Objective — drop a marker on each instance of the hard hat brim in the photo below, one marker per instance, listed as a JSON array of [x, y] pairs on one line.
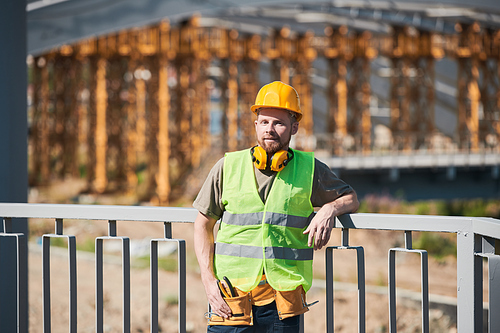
[[255, 108]]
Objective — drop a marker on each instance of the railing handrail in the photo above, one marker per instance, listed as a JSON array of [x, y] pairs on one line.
[[98, 212], [484, 226], [183, 214]]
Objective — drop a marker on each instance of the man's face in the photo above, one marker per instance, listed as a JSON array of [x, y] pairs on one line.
[[274, 129]]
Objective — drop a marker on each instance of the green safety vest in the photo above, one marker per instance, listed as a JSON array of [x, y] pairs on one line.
[[254, 237]]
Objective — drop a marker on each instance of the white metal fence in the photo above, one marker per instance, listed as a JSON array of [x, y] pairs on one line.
[[478, 239]]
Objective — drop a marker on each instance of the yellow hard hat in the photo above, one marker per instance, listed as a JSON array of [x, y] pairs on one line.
[[280, 96]]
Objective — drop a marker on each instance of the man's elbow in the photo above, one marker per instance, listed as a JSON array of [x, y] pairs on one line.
[[355, 202]]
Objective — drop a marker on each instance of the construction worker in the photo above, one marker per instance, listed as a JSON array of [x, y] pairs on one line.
[[258, 272]]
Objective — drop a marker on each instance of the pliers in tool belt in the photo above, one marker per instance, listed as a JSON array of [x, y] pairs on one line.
[[225, 293]]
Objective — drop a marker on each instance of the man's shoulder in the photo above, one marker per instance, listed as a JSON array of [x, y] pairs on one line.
[[216, 170], [220, 164]]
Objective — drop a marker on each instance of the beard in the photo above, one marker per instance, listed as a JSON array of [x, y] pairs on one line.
[[272, 147]]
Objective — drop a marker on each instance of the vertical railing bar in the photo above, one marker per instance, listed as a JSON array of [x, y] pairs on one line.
[[17, 323], [493, 293], [408, 240], [72, 273], [181, 247], [361, 290], [488, 245], [493, 285], [425, 291], [478, 282], [112, 228], [392, 292], [329, 291], [99, 310], [167, 230], [46, 284], [126, 284], [424, 269], [21, 304], [125, 279], [469, 282], [22, 274], [72, 284], [345, 237], [182, 286], [154, 286], [7, 224], [59, 226]]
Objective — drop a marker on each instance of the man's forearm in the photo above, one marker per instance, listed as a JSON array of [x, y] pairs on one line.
[[204, 249], [346, 204], [204, 245], [321, 225]]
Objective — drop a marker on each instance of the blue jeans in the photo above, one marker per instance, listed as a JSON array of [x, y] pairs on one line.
[[265, 320]]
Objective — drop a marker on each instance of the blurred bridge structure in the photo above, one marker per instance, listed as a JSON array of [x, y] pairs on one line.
[[398, 97]]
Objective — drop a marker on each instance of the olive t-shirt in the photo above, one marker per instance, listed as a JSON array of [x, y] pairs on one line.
[[327, 187]]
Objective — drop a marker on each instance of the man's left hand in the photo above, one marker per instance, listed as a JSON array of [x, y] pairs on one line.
[[320, 228]]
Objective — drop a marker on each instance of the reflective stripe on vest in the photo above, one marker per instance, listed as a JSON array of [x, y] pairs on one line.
[[255, 236], [271, 218], [255, 252]]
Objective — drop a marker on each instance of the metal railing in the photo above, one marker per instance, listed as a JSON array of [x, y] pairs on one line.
[[478, 239]]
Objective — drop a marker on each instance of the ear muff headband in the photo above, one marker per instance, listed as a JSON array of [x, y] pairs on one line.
[[277, 162]]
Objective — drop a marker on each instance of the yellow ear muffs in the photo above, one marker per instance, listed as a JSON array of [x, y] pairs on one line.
[[259, 157], [277, 162]]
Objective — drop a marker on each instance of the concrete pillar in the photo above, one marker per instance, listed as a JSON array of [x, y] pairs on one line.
[[13, 113], [13, 150]]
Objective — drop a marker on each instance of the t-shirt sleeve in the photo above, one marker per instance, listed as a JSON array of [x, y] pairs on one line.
[[209, 199], [327, 187]]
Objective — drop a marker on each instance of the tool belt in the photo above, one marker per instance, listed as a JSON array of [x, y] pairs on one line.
[[291, 303], [241, 307], [288, 303]]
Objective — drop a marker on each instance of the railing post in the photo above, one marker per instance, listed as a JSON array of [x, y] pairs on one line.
[[13, 280], [408, 240], [112, 228], [72, 274], [99, 253], [167, 230], [181, 249], [7, 225], [494, 293], [360, 262], [489, 253], [99, 286], [59, 226], [424, 278], [469, 282], [345, 237], [329, 291]]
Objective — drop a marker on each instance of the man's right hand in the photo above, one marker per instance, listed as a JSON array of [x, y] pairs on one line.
[[217, 303]]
